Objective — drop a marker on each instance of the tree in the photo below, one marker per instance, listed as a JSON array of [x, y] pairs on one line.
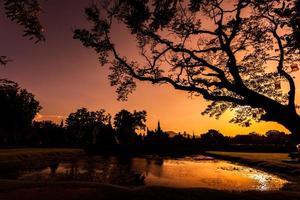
[[213, 138], [277, 137], [234, 54], [47, 133], [26, 14], [80, 125], [296, 24], [251, 138], [293, 12], [126, 123], [18, 108]]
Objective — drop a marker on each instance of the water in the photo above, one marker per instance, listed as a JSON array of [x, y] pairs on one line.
[[188, 172]]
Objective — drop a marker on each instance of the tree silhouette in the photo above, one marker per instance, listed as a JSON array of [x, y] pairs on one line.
[[26, 14], [251, 138], [213, 138], [47, 133], [296, 24], [18, 108], [234, 54], [292, 11], [81, 123], [276, 137], [126, 123]]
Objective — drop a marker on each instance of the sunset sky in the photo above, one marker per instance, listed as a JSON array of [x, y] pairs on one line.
[[65, 76]]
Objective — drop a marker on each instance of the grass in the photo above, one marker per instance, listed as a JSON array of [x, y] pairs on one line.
[[18, 158], [35, 151]]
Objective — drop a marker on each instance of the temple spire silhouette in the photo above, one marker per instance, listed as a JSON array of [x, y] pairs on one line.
[[158, 127]]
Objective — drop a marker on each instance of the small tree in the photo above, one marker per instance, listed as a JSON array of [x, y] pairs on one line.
[[277, 137], [18, 108], [213, 138], [81, 123], [47, 133], [233, 53], [126, 123]]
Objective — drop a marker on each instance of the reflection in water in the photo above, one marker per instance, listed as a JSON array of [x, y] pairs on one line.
[[263, 181], [53, 167], [185, 173]]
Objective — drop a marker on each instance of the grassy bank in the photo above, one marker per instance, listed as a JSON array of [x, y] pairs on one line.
[[18, 158], [27, 152], [270, 162]]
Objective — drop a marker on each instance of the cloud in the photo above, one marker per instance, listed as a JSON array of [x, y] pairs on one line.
[[45, 117]]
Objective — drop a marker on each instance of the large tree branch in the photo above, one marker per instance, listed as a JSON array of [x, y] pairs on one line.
[[181, 49], [280, 66], [226, 45], [292, 92], [176, 85]]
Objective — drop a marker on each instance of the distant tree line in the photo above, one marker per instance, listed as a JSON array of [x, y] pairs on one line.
[[97, 129], [272, 140]]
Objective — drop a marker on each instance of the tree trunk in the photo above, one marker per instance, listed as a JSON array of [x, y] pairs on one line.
[[292, 123], [289, 119], [277, 112]]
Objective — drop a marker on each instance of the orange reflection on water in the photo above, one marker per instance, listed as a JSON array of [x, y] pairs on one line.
[[189, 172], [213, 174]]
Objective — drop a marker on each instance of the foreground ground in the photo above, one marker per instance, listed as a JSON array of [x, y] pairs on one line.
[[105, 192], [11, 190]]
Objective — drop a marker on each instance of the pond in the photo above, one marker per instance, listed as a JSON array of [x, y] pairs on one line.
[[187, 172]]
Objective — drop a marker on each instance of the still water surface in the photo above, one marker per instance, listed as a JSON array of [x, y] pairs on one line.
[[188, 172]]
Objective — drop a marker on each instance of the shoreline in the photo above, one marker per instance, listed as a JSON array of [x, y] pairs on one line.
[[288, 171]]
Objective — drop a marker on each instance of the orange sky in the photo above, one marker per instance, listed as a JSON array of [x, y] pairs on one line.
[[65, 76]]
